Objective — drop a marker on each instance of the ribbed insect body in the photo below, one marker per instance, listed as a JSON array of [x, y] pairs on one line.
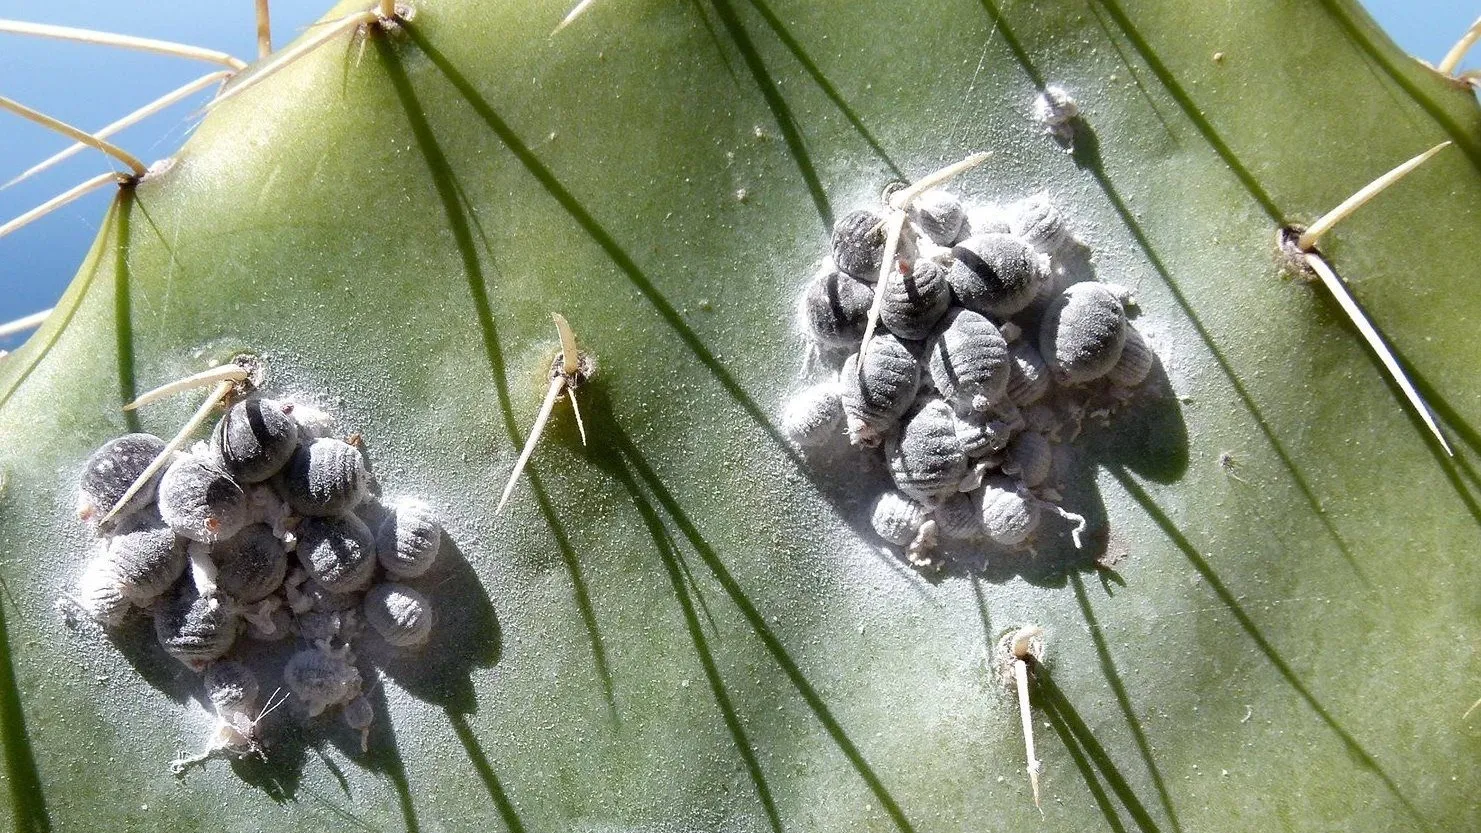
[[968, 361], [896, 518], [1030, 458], [858, 244], [401, 615], [875, 398], [193, 628], [958, 517], [112, 469], [338, 553], [981, 433], [914, 302], [99, 593], [321, 679], [200, 500], [1039, 222], [359, 715], [409, 538], [147, 556], [325, 477], [814, 415], [836, 307], [940, 216], [255, 439], [231, 687], [1135, 363], [1082, 333], [995, 274], [926, 459], [1009, 513], [1028, 375], [1056, 110], [251, 565]]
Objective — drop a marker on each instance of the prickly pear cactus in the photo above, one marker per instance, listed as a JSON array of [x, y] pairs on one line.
[[682, 625]]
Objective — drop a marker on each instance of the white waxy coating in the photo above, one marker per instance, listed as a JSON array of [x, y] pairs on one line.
[[1028, 375], [957, 517], [913, 303], [987, 218], [814, 414], [968, 361], [358, 713], [836, 306], [401, 615], [200, 501], [896, 518], [409, 538], [100, 593], [1030, 458], [1009, 513], [939, 214], [981, 434], [995, 274], [1082, 333], [272, 626], [148, 557], [338, 552], [926, 459], [251, 565], [1056, 110], [255, 439], [112, 469], [321, 679], [231, 687], [1135, 363], [195, 629], [858, 244], [1040, 223], [326, 477], [876, 398]]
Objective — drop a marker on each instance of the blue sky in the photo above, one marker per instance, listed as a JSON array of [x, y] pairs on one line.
[[90, 86]]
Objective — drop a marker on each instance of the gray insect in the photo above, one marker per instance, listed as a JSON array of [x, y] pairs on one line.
[[148, 557], [401, 615], [231, 687], [940, 216], [324, 626], [1082, 333], [1028, 375], [914, 302], [321, 679], [359, 715], [958, 517], [195, 629], [968, 361], [1030, 459], [409, 538], [200, 501], [339, 552], [255, 439], [99, 593], [981, 433], [112, 469], [836, 307], [995, 274], [896, 518], [325, 477], [1009, 513], [858, 244], [876, 398], [926, 459], [1056, 110], [1041, 224], [250, 565], [1135, 363]]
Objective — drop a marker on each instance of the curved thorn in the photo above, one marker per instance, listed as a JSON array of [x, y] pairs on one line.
[[20, 325], [131, 119], [162, 47], [264, 29], [80, 135], [570, 357], [229, 372], [1307, 241], [1370, 333], [293, 53], [571, 16], [60, 200], [903, 197], [556, 385], [1452, 58]]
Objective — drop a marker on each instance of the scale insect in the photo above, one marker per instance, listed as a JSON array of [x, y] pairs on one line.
[[569, 370]]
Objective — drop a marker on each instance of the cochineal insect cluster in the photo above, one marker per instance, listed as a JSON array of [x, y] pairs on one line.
[[272, 530], [985, 359]]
